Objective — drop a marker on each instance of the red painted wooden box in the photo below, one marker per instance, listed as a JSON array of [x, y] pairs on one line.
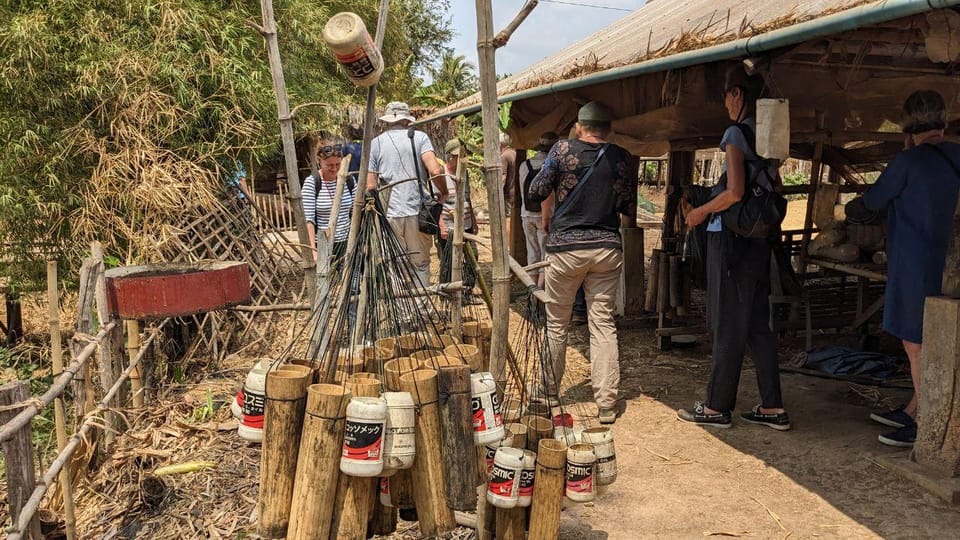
[[171, 290]]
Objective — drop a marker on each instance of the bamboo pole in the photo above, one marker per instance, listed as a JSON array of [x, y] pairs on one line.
[[133, 348], [352, 509], [369, 119], [456, 433], [512, 522], [286, 401], [491, 167], [106, 349], [314, 491], [456, 254], [83, 383], [548, 494], [429, 492], [18, 460], [503, 36], [269, 33], [518, 270], [56, 353], [538, 428]]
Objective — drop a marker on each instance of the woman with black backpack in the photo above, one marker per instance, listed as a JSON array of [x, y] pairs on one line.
[[738, 272]]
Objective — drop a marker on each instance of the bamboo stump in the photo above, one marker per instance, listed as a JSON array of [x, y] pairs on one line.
[[18, 456], [353, 492], [650, 300], [512, 523], [427, 473], [318, 462], [538, 428], [401, 486], [548, 494], [456, 431], [286, 401]]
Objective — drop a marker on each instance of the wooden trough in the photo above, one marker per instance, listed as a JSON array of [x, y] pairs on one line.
[[169, 290]]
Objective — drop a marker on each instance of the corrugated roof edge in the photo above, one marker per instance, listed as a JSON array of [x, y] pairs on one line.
[[842, 21]]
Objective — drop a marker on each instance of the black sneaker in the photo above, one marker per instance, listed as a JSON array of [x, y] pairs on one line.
[[901, 438], [896, 418], [778, 421], [697, 416]]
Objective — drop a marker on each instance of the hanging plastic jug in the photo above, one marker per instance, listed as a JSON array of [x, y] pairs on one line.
[[602, 441], [346, 34], [363, 437], [581, 467], [251, 401], [399, 442], [487, 420], [527, 476], [503, 489]]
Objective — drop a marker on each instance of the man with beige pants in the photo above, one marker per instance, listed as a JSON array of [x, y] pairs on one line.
[[394, 159], [590, 182]]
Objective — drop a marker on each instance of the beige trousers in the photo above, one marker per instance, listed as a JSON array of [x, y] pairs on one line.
[[416, 244], [599, 271]]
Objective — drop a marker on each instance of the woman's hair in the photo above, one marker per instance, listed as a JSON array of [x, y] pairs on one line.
[[327, 148], [923, 111], [751, 85]]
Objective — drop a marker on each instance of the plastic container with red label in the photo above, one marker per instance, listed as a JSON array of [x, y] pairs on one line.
[[581, 470], [487, 419], [363, 437], [503, 487]]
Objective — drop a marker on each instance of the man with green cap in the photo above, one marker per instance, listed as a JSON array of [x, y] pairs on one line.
[[589, 181]]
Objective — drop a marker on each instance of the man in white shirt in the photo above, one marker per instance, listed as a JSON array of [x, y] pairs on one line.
[[393, 159], [530, 211]]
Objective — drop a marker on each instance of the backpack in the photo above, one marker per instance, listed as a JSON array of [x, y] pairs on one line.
[[530, 205], [761, 211]]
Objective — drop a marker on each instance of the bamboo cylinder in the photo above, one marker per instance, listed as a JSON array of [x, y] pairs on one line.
[[374, 356], [456, 432], [539, 408], [511, 523], [387, 347], [440, 342], [519, 432], [663, 283], [512, 412], [441, 361], [650, 301], [548, 495], [538, 428], [307, 364], [425, 355], [318, 462], [353, 493], [409, 344], [286, 401], [685, 286], [469, 353], [133, 348], [486, 515], [384, 518], [401, 486], [429, 492], [674, 279]]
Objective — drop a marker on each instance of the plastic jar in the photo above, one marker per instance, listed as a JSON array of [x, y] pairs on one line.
[[383, 488], [487, 420], [363, 437], [346, 34], [490, 450], [252, 400], [399, 441], [602, 440], [236, 408], [503, 487], [527, 476], [581, 466]]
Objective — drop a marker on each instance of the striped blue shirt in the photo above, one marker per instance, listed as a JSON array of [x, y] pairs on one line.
[[318, 203]]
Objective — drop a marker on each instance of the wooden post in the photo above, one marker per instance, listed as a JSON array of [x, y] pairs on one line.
[[18, 456], [633, 270], [512, 523], [816, 170], [951, 271], [82, 382], [938, 419], [486, 514], [429, 491], [56, 353], [14, 318], [548, 493], [269, 32], [650, 301], [108, 345], [318, 462], [456, 253], [456, 432], [286, 401], [352, 510], [491, 162]]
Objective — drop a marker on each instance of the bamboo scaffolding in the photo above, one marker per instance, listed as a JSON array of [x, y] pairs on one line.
[[56, 353], [33, 503], [269, 33], [456, 254]]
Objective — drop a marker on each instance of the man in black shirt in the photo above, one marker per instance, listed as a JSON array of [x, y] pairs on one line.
[[588, 179]]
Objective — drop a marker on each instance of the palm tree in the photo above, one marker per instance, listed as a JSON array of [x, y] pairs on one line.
[[453, 80]]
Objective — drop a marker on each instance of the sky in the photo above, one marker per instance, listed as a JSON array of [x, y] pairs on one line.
[[549, 28]]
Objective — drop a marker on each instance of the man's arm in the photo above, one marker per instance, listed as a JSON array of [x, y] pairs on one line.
[[372, 181], [245, 190], [887, 187], [435, 170]]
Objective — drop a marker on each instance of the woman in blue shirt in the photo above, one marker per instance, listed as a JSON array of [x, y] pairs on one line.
[[919, 190]]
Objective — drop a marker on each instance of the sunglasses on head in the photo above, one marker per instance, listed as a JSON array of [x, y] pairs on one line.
[[331, 150]]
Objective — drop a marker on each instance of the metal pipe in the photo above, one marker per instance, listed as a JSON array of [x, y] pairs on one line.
[[842, 21]]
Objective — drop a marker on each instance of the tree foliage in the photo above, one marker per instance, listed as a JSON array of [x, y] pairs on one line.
[[118, 115], [453, 80]]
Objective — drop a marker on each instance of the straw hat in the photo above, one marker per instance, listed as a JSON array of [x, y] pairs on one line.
[[397, 111]]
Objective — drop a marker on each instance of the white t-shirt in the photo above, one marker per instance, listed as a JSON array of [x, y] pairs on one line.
[[392, 158], [537, 163]]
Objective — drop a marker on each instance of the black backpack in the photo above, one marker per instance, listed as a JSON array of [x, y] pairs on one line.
[[761, 211], [530, 205]]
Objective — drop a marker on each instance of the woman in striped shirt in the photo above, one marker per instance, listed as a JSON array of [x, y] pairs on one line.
[[317, 199]]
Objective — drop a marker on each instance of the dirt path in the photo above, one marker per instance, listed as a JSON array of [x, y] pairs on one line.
[[682, 481]]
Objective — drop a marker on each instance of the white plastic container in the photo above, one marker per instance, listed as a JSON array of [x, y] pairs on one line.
[[363, 437], [602, 440], [251, 402], [490, 450], [581, 469], [399, 441], [527, 476], [773, 128], [383, 488], [487, 420], [354, 49], [503, 488]]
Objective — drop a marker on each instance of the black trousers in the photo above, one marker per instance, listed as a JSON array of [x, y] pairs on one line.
[[738, 309]]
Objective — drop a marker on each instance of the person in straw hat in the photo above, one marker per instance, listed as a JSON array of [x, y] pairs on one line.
[[393, 160]]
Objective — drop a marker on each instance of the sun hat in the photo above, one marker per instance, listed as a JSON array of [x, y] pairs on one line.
[[595, 113], [452, 148], [397, 111]]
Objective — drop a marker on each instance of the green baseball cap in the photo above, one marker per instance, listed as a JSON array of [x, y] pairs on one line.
[[452, 148], [595, 113]]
